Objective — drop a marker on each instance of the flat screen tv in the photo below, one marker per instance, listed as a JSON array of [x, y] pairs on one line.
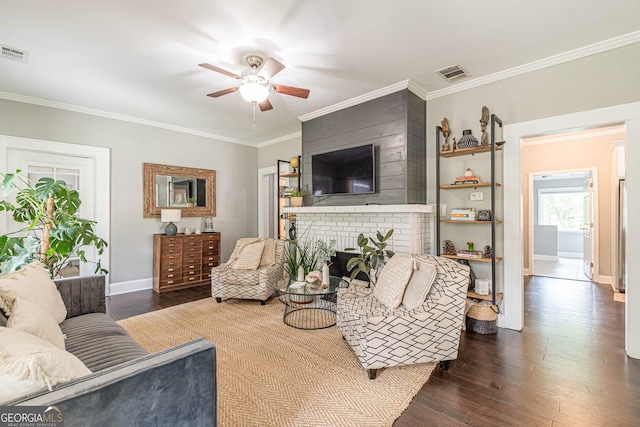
[[347, 171]]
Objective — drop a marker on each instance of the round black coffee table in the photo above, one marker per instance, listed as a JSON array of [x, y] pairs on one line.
[[310, 308]]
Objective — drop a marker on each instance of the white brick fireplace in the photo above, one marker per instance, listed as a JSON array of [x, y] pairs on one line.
[[412, 225]]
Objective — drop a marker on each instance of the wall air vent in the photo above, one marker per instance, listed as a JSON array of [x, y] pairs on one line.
[[452, 73], [12, 53]]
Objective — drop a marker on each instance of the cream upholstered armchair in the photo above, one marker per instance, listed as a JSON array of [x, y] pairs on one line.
[[426, 325], [252, 272]]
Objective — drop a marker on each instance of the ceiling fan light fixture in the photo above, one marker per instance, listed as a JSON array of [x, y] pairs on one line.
[[254, 92]]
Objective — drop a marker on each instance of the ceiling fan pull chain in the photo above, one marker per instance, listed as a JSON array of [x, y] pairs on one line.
[[254, 115]]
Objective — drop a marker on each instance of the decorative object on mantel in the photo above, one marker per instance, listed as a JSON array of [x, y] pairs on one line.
[[446, 131], [170, 216], [484, 120], [208, 224], [467, 140], [292, 231], [448, 248], [487, 252]]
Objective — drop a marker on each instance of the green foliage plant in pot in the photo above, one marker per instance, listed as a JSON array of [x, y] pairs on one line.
[[52, 233], [296, 197], [373, 255], [300, 253]]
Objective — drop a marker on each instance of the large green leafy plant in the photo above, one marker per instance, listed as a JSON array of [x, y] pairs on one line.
[[373, 255], [52, 232]]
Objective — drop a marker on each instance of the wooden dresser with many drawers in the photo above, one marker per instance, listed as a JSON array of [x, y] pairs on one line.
[[182, 261]]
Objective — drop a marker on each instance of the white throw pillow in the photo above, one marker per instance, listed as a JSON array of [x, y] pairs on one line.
[[28, 357], [250, 257], [420, 284], [29, 317], [14, 387], [32, 282], [393, 280]]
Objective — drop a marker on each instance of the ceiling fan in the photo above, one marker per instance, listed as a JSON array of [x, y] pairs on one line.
[[255, 83]]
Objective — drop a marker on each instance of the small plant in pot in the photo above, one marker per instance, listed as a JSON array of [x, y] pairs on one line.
[[373, 256], [191, 201], [296, 197]]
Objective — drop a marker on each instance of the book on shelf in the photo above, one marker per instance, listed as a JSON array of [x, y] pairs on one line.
[[472, 179], [469, 254], [463, 214]]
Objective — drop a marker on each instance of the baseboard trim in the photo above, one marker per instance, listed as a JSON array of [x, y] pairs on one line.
[[538, 257], [577, 255], [605, 280], [130, 286]]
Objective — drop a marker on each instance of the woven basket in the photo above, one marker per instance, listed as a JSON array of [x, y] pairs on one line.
[[482, 319]]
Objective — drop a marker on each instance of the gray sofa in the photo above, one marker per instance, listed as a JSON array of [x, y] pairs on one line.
[[127, 386]]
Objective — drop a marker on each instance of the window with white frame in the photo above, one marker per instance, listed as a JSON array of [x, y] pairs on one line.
[[563, 207]]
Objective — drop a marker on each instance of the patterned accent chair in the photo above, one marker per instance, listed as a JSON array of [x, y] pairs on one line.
[[382, 337], [258, 284]]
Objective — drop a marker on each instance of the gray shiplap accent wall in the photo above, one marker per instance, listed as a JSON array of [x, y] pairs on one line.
[[395, 124]]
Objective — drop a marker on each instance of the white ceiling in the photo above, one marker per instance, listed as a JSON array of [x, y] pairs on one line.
[[140, 58]]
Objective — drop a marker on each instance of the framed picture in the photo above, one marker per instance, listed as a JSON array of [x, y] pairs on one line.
[[484, 215]]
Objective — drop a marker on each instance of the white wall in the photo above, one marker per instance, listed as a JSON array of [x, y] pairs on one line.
[[603, 80], [132, 145], [268, 155]]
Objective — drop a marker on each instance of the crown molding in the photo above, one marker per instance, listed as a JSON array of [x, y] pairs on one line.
[[550, 61], [75, 108], [280, 139], [405, 84]]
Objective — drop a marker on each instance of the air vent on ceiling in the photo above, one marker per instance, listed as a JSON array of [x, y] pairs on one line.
[[12, 53], [451, 73]]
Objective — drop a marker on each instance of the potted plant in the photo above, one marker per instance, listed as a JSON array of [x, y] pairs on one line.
[[191, 202], [372, 256], [296, 197], [52, 232]]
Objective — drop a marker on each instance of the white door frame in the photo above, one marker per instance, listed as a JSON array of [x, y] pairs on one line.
[[594, 202], [513, 316], [102, 178], [261, 193]]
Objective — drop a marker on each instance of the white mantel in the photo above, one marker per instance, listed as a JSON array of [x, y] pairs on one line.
[[362, 209], [412, 225]]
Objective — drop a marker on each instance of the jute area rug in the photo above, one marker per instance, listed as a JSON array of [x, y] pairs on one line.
[[270, 374]]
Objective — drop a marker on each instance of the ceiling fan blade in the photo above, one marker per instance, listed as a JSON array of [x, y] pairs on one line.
[[220, 70], [265, 105], [270, 69], [293, 91], [223, 92]]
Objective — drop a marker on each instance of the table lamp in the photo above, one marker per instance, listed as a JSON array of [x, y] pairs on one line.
[[170, 215]]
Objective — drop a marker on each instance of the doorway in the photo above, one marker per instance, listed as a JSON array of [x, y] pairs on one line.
[[515, 210], [267, 202], [562, 218]]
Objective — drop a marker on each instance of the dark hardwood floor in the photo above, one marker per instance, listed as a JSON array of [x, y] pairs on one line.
[[567, 367]]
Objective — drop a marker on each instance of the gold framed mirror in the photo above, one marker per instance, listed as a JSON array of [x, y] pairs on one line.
[[191, 190]]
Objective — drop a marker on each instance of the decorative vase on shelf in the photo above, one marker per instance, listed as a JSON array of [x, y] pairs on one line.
[[296, 202], [292, 231], [467, 140]]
